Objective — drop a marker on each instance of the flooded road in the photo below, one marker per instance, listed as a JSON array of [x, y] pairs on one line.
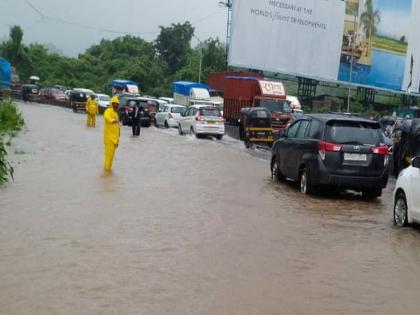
[[186, 226]]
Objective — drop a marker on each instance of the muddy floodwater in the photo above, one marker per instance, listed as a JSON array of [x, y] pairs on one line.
[[186, 226]]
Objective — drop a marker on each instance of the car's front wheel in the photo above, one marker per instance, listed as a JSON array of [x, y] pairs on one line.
[[400, 210], [180, 130], [166, 124]]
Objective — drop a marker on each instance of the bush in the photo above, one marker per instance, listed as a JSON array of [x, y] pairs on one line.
[[10, 121]]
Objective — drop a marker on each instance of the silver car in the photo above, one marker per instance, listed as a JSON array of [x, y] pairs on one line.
[[202, 120]]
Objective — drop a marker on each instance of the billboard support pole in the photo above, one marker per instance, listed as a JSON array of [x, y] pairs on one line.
[[351, 62]]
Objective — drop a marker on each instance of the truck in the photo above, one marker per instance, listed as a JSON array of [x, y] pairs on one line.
[[240, 92], [192, 93], [5, 77], [120, 87]]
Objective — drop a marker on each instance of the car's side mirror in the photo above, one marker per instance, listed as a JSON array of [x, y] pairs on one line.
[[416, 162]]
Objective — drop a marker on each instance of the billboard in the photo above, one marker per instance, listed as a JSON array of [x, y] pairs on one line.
[[365, 42]]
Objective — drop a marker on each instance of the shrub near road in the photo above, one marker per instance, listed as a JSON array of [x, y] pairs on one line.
[[11, 121]]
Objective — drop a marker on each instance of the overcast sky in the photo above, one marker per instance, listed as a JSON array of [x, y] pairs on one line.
[[74, 25]]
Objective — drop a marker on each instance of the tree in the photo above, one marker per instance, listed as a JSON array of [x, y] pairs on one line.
[[214, 56], [14, 51], [173, 45], [370, 19]]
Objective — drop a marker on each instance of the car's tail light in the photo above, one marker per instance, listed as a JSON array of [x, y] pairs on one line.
[[382, 150], [198, 117], [328, 147]]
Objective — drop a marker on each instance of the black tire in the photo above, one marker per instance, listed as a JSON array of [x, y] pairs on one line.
[[247, 143], [275, 170], [193, 133], [305, 185], [401, 210], [220, 137], [180, 130], [372, 193], [166, 124]]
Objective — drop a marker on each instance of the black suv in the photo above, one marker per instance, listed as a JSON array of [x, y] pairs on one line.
[[147, 108], [331, 150]]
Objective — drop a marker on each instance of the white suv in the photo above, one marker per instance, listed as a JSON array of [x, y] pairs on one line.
[[202, 120], [169, 115], [407, 196]]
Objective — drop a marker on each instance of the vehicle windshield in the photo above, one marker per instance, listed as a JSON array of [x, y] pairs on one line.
[[353, 132], [177, 110], [57, 92], [275, 105], [104, 98], [259, 118], [214, 112]]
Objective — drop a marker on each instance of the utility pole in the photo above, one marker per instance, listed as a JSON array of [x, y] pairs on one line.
[[227, 4]]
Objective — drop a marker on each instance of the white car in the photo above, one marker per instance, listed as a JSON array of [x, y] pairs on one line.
[[169, 100], [202, 120], [103, 101], [169, 115], [407, 196]]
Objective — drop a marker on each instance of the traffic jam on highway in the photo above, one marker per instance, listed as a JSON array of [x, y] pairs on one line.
[[326, 153]]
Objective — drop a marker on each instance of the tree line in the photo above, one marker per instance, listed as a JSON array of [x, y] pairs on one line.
[[154, 65]]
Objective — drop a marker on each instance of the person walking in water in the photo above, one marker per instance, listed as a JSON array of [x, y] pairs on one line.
[[136, 119], [111, 132], [92, 109]]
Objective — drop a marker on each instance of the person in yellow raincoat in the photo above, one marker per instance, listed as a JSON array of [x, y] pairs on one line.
[[111, 132], [92, 109]]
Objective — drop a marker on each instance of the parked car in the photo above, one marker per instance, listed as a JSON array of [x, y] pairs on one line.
[[169, 115], [338, 151], [78, 98], [53, 95], [103, 101], [147, 111], [30, 92], [406, 195], [202, 120]]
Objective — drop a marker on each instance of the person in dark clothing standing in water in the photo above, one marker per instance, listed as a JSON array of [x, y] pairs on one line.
[[136, 119]]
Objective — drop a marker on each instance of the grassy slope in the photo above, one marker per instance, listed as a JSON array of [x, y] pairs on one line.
[[389, 45]]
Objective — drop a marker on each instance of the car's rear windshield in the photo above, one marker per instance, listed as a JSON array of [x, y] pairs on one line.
[[210, 112], [104, 98], [353, 132], [177, 110], [259, 114]]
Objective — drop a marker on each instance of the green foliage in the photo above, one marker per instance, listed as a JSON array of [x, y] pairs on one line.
[[173, 45], [153, 65], [10, 121]]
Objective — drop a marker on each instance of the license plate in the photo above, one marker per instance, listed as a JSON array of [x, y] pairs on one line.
[[355, 157], [210, 122]]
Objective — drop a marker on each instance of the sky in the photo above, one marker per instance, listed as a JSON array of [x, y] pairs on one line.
[[74, 25], [395, 17]]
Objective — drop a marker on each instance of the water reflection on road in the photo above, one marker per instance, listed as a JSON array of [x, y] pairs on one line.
[[186, 226]]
